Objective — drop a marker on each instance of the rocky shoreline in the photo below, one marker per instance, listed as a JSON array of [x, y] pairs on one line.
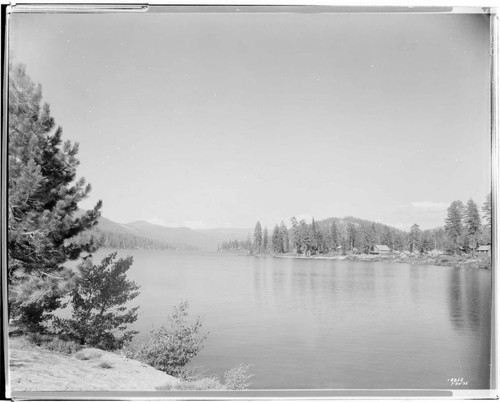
[[459, 261]]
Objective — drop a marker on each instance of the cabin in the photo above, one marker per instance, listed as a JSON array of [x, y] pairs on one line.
[[484, 249], [380, 249]]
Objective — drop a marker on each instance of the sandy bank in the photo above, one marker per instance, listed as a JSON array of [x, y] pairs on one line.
[[33, 368]]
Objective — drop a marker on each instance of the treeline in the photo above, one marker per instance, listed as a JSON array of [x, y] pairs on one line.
[[116, 240], [463, 231], [464, 228], [235, 245], [333, 235]]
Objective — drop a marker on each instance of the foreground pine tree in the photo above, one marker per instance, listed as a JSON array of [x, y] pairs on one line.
[[99, 298], [43, 198]]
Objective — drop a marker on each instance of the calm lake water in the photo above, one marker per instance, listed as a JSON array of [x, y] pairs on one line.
[[307, 323]]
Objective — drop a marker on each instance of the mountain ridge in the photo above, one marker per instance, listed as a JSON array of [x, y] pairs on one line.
[[143, 234]]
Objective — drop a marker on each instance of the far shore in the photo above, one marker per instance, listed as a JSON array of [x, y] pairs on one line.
[[477, 261]]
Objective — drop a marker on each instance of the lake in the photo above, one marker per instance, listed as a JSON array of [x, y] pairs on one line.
[[321, 324]]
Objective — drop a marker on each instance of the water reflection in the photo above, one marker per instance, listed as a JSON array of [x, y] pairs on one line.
[[310, 285], [316, 324], [469, 299]]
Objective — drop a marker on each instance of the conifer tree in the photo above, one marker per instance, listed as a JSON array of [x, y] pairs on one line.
[[334, 237], [43, 197], [304, 235], [257, 237], [265, 240], [472, 225], [100, 316], [426, 243], [315, 237], [454, 225], [369, 238], [487, 210], [277, 240], [351, 235], [285, 238], [388, 237], [297, 244], [414, 238]]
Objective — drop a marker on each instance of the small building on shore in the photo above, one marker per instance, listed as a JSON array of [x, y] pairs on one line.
[[484, 249], [380, 249]]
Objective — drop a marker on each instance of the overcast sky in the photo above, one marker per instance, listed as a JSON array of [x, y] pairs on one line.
[[206, 120]]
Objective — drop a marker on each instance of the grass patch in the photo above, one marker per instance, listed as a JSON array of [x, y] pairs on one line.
[[88, 354]]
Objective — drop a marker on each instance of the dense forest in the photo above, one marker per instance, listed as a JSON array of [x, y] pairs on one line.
[[108, 239], [463, 231]]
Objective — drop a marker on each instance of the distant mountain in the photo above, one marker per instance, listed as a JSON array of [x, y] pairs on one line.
[[110, 234], [358, 222], [142, 234], [107, 225], [203, 239]]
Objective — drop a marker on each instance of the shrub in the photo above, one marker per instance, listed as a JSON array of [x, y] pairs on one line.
[[58, 345], [129, 352], [87, 354], [174, 344], [106, 365], [238, 378], [54, 343], [99, 314], [203, 384], [40, 339]]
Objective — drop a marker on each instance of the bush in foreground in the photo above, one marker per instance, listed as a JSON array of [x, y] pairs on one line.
[[174, 344], [238, 377], [54, 343]]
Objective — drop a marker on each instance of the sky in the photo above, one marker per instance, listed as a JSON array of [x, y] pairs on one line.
[[222, 119]]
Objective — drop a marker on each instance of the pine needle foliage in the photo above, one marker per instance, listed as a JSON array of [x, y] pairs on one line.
[[43, 197], [454, 227], [472, 226], [100, 315]]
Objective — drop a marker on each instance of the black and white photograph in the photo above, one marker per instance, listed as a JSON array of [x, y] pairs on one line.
[[236, 198]]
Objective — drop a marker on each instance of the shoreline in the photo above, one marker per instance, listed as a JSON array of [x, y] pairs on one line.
[[442, 260]]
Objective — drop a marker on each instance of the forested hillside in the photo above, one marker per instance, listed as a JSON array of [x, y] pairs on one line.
[[463, 231], [145, 235]]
